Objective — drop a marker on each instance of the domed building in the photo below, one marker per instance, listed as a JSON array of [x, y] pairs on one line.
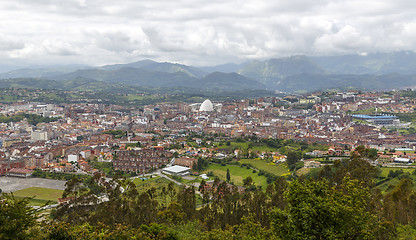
[[206, 106]]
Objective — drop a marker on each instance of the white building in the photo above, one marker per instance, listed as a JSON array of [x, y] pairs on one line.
[[72, 158], [177, 170], [206, 106], [39, 136]]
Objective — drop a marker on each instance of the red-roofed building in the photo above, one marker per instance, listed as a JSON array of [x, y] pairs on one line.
[[19, 172], [186, 162]]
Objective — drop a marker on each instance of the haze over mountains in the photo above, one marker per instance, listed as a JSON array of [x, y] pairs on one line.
[[380, 71]]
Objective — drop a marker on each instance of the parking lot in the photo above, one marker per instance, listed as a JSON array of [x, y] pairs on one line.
[[12, 184]]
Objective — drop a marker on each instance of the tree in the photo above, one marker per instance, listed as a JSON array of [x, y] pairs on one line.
[[186, 198], [292, 159], [228, 175], [247, 181], [319, 210], [16, 217], [400, 203], [372, 154]]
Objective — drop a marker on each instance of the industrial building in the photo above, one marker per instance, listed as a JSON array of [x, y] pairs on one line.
[[177, 170], [379, 119]]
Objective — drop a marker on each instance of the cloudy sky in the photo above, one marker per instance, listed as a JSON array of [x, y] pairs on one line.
[[199, 32]]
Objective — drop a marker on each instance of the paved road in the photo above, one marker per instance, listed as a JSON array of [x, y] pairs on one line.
[[12, 184]]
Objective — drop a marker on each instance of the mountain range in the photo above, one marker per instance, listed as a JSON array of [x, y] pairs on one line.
[[378, 71]]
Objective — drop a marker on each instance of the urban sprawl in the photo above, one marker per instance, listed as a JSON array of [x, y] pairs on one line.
[[145, 138]]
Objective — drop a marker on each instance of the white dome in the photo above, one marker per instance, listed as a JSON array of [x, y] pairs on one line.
[[206, 106]]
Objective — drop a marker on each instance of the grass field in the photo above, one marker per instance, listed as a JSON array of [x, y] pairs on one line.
[[277, 170], [41, 195], [158, 183], [393, 182], [385, 170], [387, 186], [8, 98], [132, 97], [303, 171], [264, 149], [367, 111], [139, 181], [245, 145], [237, 174]]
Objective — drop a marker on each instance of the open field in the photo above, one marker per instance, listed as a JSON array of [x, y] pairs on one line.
[[13, 184], [38, 202], [245, 145], [41, 195], [390, 184], [237, 174], [303, 171], [385, 186], [132, 97], [277, 170], [158, 183], [139, 181], [367, 111], [385, 170]]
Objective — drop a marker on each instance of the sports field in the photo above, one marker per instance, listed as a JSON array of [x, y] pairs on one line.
[[41, 195], [276, 169], [237, 174]]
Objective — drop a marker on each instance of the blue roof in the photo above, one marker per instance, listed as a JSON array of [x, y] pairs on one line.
[[374, 117]]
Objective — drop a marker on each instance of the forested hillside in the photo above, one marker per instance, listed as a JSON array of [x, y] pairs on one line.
[[340, 202]]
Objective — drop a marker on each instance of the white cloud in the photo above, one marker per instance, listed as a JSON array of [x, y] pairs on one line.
[[9, 44], [58, 47], [200, 32]]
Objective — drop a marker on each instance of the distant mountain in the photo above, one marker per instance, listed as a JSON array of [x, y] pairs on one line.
[[152, 66], [35, 83], [229, 81], [134, 77], [225, 68], [378, 71], [270, 71], [29, 83], [313, 82], [377, 63], [138, 64], [141, 77], [46, 72]]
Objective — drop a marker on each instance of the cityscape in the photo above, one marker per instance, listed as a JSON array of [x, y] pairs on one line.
[[80, 132], [207, 120]]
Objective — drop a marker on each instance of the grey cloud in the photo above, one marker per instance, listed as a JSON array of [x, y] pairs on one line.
[[116, 42], [196, 31], [8, 44], [58, 47]]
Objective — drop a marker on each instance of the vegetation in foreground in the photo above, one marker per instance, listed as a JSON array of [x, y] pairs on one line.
[[340, 202]]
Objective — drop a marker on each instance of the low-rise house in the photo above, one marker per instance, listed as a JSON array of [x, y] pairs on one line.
[[311, 164], [186, 162], [20, 172], [385, 158]]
